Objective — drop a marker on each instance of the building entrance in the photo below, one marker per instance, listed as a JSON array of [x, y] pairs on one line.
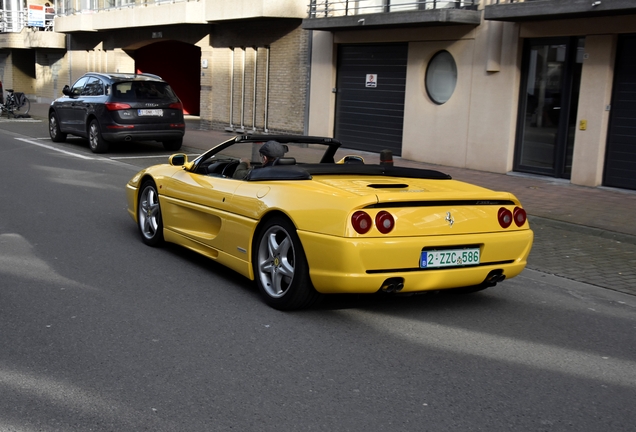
[[548, 106]]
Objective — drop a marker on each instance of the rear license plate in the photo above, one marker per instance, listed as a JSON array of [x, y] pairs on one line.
[[150, 112], [449, 258]]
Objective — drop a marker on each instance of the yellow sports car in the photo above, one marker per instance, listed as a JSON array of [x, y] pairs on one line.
[[300, 218]]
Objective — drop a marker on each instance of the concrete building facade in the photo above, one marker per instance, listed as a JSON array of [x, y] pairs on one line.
[[541, 87]]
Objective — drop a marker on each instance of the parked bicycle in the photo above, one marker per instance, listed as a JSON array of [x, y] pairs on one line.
[[16, 104]]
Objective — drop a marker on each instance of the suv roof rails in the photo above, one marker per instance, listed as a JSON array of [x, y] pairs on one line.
[[150, 75]]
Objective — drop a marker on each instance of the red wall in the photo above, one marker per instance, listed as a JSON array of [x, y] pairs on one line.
[[179, 64]]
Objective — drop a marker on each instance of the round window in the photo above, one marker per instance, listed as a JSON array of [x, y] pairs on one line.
[[441, 77]]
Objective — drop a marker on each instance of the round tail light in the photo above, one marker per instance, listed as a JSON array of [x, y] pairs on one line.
[[361, 222], [384, 222], [504, 216], [519, 216]]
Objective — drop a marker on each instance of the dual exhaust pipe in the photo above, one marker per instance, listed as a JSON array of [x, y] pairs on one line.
[[395, 284]]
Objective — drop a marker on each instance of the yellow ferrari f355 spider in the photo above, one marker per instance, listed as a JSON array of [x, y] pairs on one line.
[[308, 222]]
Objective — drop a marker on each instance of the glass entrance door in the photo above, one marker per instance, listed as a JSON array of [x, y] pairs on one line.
[[548, 104]]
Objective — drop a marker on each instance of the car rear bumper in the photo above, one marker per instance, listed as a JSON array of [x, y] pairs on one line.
[[347, 265], [141, 135]]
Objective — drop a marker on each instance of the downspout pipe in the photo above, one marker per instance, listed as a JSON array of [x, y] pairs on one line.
[[230, 128]]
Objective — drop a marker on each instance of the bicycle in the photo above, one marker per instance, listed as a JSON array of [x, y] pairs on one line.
[[16, 104]]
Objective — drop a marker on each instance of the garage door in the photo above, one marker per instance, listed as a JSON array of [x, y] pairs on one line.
[[370, 96], [620, 160]]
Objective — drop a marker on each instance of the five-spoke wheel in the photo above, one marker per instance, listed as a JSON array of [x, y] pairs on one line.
[[149, 215], [280, 266]]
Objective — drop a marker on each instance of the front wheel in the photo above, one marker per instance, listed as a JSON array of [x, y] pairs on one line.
[[97, 143], [280, 266], [149, 215], [21, 107]]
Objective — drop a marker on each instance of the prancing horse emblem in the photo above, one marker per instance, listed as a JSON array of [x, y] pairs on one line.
[[449, 219]]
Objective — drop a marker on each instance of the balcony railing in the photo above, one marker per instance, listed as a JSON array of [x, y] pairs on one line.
[[71, 7], [341, 8], [14, 21]]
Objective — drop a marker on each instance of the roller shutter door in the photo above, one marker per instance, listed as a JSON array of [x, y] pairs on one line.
[[620, 160], [370, 114]]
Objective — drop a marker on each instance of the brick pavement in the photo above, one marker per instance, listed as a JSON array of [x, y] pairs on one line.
[[581, 233]]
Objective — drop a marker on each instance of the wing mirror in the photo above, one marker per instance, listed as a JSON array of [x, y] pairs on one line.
[[178, 159]]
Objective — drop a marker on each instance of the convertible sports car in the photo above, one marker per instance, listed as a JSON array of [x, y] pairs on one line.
[[322, 221]]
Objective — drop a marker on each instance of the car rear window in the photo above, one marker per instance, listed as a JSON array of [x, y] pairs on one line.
[[142, 90]]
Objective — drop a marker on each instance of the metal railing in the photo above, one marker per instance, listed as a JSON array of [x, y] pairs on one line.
[[71, 7], [511, 1], [340, 8], [14, 21]]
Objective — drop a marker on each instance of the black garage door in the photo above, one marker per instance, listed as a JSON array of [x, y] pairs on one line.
[[620, 161], [370, 99]]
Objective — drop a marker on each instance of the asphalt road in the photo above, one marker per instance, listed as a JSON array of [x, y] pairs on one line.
[[99, 332]]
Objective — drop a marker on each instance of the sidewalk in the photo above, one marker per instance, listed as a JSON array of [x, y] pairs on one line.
[[581, 233]]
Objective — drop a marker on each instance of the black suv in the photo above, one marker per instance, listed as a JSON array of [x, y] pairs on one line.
[[118, 107]]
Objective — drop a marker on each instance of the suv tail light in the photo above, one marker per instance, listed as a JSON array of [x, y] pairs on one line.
[[116, 106], [176, 105]]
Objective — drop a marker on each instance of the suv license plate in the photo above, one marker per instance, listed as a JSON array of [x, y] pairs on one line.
[[150, 112], [449, 258]]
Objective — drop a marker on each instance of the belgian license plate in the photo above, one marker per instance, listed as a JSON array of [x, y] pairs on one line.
[[449, 258], [150, 112]]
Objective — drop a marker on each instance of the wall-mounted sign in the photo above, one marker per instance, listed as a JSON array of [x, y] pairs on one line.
[[372, 80]]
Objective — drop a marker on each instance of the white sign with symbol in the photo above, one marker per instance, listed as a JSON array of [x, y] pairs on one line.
[[372, 80]]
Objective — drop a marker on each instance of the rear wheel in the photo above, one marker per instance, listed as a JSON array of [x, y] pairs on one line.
[[54, 129], [280, 266], [173, 145], [21, 107], [97, 143], [149, 215]]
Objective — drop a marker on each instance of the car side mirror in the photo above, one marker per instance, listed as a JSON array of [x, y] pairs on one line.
[[178, 159], [66, 90]]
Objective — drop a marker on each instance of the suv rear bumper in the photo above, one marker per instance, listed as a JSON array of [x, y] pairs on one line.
[[147, 135]]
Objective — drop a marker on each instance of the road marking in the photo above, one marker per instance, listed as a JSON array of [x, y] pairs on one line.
[[56, 149]]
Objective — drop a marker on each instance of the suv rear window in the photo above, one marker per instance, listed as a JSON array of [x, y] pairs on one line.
[[142, 90]]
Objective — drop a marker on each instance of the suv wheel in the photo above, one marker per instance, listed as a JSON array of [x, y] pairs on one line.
[[95, 140], [173, 145]]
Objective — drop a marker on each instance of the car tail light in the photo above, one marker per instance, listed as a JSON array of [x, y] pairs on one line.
[[361, 222], [177, 125], [520, 216], [505, 217], [176, 105], [384, 222], [116, 106]]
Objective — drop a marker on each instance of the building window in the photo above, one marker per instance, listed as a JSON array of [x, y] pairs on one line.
[[441, 77]]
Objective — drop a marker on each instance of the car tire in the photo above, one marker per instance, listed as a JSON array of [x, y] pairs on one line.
[[280, 267], [149, 218], [97, 143], [173, 145], [54, 129]]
